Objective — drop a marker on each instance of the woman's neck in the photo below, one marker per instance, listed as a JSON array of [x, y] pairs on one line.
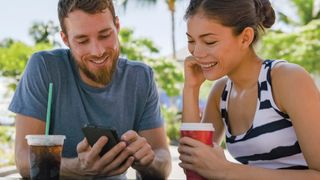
[[247, 73]]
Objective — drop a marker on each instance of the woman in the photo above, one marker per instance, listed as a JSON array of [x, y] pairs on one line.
[[269, 110]]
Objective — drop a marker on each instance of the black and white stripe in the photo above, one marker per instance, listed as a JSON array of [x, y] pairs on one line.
[[271, 141]]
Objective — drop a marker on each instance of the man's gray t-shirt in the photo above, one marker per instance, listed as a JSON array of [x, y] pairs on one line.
[[128, 102]]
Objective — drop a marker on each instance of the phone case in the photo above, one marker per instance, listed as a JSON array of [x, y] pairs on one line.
[[93, 133]]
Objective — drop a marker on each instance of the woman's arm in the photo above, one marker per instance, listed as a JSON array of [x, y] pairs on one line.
[[212, 110], [193, 80], [296, 94]]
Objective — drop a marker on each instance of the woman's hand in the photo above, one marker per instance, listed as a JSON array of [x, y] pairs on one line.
[[207, 161], [193, 73]]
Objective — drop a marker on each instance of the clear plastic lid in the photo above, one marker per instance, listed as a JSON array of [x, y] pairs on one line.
[[45, 140]]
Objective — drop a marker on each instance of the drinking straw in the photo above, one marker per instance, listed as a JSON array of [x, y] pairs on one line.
[[49, 109]]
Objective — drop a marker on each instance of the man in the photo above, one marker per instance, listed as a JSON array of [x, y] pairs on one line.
[[91, 84]]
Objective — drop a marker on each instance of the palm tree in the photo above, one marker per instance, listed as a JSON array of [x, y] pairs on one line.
[[171, 6], [307, 10]]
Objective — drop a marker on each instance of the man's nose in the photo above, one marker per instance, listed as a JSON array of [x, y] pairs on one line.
[[97, 49]]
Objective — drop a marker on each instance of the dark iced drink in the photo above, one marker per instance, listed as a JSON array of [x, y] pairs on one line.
[[45, 156]]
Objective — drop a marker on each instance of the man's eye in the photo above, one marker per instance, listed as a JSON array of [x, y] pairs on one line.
[[190, 42], [83, 42], [104, 36]]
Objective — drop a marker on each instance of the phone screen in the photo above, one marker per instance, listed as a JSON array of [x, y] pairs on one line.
[[93, 133]]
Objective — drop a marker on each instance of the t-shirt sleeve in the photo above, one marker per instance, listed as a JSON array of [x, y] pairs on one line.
[[30, 97], [151, 117]]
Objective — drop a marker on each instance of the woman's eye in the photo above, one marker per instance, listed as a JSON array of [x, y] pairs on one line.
[[211, 42], [190, 42]]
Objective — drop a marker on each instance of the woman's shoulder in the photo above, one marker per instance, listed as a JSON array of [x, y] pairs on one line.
[[289, 77], [287, 72]]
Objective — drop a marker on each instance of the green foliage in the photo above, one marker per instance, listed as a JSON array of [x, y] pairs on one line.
[[173, 122], [306, 11], [301, 47], [168, 73], [6, 145], [42, 32], [133, 48], [13, 59]]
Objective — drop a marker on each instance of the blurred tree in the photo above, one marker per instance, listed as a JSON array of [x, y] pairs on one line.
[[168, 73], [171, 6], [301, 46], [42, 32], [6, 42], [14, 57], [307, 10]]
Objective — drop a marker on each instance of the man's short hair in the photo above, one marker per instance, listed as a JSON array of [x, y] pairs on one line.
[[89, 6]]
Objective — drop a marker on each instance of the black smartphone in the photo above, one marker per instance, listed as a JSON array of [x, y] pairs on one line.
[[93, 133]]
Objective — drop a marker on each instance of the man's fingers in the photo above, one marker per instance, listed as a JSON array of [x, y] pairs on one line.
[[97, 147], [113, 153], [123, 167], [129, 136], [146, 160], [83, 146], [142, 152]]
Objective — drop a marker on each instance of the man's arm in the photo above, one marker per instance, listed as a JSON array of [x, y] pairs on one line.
[[69, 166], [25, 125], [154, 163]]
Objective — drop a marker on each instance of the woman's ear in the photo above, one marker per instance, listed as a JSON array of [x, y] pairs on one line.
[[247, 37]]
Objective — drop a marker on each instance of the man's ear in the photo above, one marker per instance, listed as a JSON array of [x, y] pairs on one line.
[[64, 38], [117, 23], [247, 37]]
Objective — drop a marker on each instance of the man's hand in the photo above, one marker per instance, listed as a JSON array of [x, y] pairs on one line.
[[114, 162], [139, 148]]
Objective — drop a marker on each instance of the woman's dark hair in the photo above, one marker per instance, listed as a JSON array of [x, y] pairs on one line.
[[89, 6], [238, 14]]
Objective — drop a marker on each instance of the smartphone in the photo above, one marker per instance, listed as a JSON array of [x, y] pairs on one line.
[[93, 133]]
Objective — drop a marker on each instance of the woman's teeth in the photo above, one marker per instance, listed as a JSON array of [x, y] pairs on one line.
[[208, 65]]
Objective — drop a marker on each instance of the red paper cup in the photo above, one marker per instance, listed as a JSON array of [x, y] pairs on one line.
[[203, 132]]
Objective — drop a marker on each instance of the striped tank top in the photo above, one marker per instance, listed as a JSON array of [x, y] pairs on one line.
[[271, 141]]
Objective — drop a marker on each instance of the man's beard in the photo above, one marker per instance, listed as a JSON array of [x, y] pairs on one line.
[[102, 75]]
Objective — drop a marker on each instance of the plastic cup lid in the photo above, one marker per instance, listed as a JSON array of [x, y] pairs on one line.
[[196, 127], [45, 140]]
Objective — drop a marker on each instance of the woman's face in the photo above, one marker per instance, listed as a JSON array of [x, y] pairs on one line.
[[216, 49]]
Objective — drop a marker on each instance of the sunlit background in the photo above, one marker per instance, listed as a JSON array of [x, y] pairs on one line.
[[295, 37]]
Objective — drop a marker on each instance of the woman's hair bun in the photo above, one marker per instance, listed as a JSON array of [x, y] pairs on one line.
[[265, 13]]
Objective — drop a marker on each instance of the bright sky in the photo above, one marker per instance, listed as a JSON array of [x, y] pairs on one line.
[[17, 16]]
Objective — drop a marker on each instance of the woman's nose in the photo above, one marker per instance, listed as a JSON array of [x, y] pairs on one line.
[[199, 51]]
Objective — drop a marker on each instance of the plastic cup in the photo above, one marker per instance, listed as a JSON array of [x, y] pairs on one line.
[[203, 132], [45, 156]]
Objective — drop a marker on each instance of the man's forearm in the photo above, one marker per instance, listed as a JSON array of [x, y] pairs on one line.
[[160, 167]]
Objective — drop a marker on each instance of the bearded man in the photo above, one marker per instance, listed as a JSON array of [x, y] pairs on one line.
[[92, 85]]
